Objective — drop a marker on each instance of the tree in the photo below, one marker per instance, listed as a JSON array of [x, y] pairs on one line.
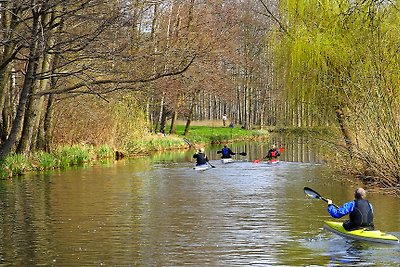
[[339, 58], [61, 57]]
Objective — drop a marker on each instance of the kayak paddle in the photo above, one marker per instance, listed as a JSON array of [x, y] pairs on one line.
[[313, 194], [191, 145]]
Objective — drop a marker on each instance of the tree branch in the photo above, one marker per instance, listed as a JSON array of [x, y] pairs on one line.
[[270, 14], [116, 81]]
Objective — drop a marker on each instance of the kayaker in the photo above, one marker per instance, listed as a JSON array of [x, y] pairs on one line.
[[226, 152], [273, 154], [360, 212], [200, 157]]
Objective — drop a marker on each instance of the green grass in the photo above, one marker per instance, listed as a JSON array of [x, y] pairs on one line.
[[61, 158], [154, 143], [217, 135], [14, 164]]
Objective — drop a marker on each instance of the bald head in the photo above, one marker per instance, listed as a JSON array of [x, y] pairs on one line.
[[360, 193]]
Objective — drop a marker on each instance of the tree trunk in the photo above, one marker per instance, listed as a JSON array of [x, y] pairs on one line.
[[26, 88], [33, 116], [48, 125], [163, 121], [173, 123], [342, 118], [8, 26], [190, 115]]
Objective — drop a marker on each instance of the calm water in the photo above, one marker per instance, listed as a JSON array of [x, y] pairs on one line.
[[158, 211]]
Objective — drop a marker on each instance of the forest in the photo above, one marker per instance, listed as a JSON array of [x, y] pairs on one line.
[[107, 72]]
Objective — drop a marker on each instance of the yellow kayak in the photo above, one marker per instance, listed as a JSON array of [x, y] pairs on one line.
[[361, 234]]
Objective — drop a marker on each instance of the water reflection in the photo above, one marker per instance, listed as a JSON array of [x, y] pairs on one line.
[[158, 211], [344, 252]]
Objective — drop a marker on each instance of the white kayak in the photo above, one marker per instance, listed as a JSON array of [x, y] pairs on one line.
[[227, 160], [202, 167]]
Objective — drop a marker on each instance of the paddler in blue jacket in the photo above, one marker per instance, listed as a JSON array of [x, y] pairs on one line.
[[200, 157], [226, 152], [360, 212]]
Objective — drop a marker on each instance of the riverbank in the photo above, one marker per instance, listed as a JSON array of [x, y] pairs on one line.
[[78, 155]]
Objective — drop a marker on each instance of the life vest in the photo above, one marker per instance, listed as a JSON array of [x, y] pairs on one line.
[[273, 153], [200, 159], [362, 215], [226, 153]]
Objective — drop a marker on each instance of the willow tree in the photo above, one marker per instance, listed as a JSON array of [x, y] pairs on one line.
[[341, 58]]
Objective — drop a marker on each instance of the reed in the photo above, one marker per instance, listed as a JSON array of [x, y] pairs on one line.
[[104, 151], [14, 165]]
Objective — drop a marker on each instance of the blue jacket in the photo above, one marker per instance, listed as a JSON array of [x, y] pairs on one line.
[[343, 210], [226, 153]]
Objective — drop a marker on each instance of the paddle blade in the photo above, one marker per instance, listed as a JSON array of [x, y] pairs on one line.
[[243, 154], [281, 149], [311, 193]]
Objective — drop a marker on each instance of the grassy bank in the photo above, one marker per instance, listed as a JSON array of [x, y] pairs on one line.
[[62, 157], [77, 155]]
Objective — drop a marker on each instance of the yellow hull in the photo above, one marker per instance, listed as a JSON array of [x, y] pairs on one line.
[[361, 234]]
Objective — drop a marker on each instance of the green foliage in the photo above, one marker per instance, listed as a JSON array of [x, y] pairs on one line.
[[153, 143], [63, 157], [206, 134], [44, 161], [15, 164], [344, 55], [104, 151], [73, 155]]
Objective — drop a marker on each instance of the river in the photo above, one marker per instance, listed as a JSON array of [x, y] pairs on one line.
[[158, 211]]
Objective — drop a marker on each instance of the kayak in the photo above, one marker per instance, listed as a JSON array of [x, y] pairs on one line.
[[361, 234], [202, 167], [272, 161], [227, 160]]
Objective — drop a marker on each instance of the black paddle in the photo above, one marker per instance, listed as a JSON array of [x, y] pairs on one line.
[[191, 145], [313, 194]]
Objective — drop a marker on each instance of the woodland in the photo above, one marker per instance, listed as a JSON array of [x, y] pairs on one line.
[[109, 71]]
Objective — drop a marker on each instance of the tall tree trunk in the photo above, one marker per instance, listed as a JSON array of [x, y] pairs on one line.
[[163, 121], [34, 112], [47, 135], [173, 123], [8, 24], [26, 88], [160, 116], [190, 115]]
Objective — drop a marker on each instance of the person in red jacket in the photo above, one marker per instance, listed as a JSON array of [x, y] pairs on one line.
[[273, 154]]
